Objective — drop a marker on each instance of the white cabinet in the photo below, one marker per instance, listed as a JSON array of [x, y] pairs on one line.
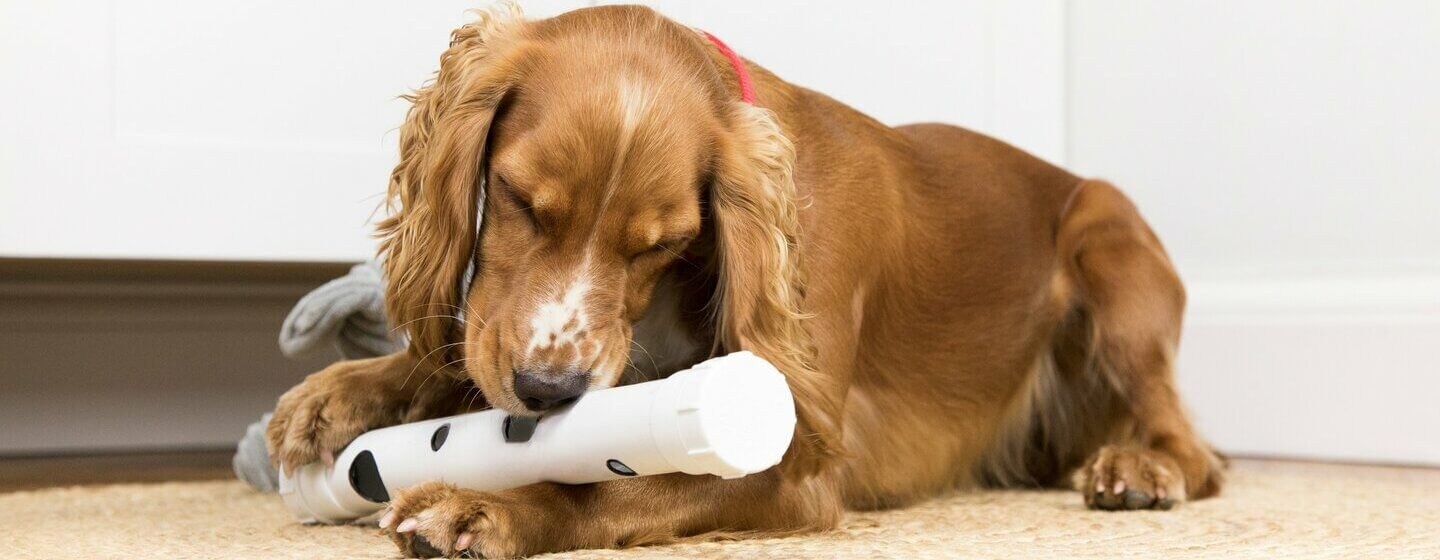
[[265, 130], [169, 129]]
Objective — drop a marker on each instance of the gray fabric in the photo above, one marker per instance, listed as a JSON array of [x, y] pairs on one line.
[[252, 462], [347, 314]]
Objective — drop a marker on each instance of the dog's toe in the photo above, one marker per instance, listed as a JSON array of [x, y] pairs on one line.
[[1121, 478]]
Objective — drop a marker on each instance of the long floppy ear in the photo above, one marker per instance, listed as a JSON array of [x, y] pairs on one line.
[[760, 288], [435, 189]]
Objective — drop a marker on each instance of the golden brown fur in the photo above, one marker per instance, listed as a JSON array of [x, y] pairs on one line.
[[949, 310]]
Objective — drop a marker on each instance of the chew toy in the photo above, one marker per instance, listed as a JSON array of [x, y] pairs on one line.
[[728, 416]]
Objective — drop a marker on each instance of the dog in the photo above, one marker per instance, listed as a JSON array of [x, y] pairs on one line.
[[949, 311]]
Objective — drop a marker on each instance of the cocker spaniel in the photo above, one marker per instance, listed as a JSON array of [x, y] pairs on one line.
[[949, 311]]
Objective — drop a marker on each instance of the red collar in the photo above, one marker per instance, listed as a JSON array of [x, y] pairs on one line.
[[747, 89]]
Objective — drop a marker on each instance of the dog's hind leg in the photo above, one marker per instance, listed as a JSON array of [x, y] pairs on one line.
[[1127, 289]]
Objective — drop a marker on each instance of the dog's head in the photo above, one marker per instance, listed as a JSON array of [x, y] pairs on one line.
[[609, 148]]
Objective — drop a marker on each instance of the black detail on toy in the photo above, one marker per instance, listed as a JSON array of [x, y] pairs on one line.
[[365, 478], [437, 439], [619, 468], [519, 429]]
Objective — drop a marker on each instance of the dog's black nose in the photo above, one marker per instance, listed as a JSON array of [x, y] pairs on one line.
[[542, 390]]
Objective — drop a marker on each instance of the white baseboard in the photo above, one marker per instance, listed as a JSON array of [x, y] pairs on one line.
[[122, 356], [1321, 368], [125, 355]]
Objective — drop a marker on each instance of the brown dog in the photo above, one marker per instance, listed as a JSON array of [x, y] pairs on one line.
[[949, 310]]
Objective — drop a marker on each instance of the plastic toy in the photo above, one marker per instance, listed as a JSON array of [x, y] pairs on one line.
[[728, 416]]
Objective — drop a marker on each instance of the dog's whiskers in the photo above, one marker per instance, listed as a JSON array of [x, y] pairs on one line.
[[655, 366], [422, 360], [478, 394], [432, 374], [438, 316]]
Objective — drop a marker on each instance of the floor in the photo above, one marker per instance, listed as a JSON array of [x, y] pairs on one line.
[[1269, 509]]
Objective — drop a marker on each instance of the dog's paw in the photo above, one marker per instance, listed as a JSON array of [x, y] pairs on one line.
[[318, 417], [1128, 477], [437, 519]]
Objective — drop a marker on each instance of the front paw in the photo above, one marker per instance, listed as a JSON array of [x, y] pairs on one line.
[[438, 519], [1128, 477], [318, 417]]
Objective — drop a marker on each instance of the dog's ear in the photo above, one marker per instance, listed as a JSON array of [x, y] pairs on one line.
[[760, 288], [428, 236]]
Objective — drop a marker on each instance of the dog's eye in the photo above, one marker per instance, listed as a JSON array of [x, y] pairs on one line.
[[656, 250], [529, 212], [523, 206]]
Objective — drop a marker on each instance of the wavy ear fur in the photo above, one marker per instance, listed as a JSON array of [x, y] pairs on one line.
[[760, 288], [429, 237]]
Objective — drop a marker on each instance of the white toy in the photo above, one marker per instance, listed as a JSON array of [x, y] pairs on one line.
[[728, 416]]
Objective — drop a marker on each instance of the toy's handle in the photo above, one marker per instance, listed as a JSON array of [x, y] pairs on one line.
[[728, 416]]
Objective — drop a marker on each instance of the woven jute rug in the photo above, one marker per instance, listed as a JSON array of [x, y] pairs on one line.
[[1266, 512]]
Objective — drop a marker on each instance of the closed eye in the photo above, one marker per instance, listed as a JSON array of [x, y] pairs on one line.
[[663, 248], [523, 206], [658, 249]]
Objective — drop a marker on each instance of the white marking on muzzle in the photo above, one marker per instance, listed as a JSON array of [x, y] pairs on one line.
[[560, 322]]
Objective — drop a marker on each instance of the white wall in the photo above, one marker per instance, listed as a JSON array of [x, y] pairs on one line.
[[1288, 152], [990, 65]]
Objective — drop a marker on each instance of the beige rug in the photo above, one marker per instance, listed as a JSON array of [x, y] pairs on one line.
[[1268, 511]]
